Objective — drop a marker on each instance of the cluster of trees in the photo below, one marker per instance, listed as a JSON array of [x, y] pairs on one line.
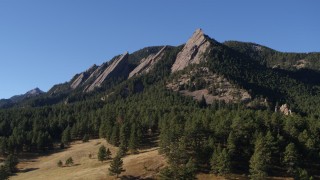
[[276, 85], [220, 138], [69, 162], [104, 154], [9, 166], [240, 140], [271, 58]]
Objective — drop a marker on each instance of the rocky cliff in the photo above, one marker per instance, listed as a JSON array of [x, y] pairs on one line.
[[80, 79], [192, 51], [147, 64], [114, 69]]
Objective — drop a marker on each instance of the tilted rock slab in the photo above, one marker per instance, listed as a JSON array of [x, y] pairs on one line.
[[192, 52], [83, 77], [118, 65], [147, 64]]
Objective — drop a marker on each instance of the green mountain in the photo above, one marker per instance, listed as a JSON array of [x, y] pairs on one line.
[[229, 107]]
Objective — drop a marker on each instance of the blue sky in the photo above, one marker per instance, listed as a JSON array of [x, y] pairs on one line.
[[43, 43]]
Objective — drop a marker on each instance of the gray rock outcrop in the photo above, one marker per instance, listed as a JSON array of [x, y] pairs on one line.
[[116, 67], [80, 79], [192, 51], [284, 109], [147, 64]]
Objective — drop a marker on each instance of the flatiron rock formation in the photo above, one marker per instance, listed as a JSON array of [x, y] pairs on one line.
[[116, 67], [192, 51], [147, 64]]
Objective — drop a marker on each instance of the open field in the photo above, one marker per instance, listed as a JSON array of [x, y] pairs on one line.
[[146, 164]]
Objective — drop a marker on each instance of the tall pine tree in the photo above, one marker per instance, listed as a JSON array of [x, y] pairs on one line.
[[116, 166]]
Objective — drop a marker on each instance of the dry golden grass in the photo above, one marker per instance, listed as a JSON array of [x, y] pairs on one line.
[[145, 164]]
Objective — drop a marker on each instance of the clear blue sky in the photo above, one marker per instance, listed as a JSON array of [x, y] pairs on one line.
[[43, 43]]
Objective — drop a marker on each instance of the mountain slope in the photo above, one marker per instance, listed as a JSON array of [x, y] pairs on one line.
[[276, 59], [209, 106], [19, 98]]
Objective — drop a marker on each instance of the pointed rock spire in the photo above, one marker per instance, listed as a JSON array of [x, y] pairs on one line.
[[192, 51]]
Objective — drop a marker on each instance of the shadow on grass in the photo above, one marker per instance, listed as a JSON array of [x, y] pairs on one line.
[[27, 170]]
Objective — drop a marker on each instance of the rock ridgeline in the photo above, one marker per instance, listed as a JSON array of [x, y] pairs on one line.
[[192, 51], [119, 65], [32, 93], [80, 79], [147, 64]]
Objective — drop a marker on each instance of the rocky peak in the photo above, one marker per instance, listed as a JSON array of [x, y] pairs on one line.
[[192, 51], [115, 68], [34, 92]]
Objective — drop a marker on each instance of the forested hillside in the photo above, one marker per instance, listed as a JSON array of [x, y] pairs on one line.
[[196, 136]]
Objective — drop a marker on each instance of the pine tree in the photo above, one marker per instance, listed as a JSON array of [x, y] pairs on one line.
[[69, 161], [11, 162], [291, 158], [108, 154], [59, 163], [114, 139], [102, 154], [124, 136], [166, 173], [231, 144], [214, 161], [66, 137], [116, 166], [203, 102], [190, 169], [133, 140], [271, 145], [260, 159], [85, 138], [4, 172], [224, 165], [3, 145]]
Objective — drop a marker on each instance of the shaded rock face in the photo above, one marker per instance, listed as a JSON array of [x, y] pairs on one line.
[[192, 52], [83, 77], [147, 64], [114, 69], [34, 92]]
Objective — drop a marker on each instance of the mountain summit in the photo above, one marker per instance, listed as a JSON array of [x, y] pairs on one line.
[[193, 51], [34, 92], [19, 98]]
